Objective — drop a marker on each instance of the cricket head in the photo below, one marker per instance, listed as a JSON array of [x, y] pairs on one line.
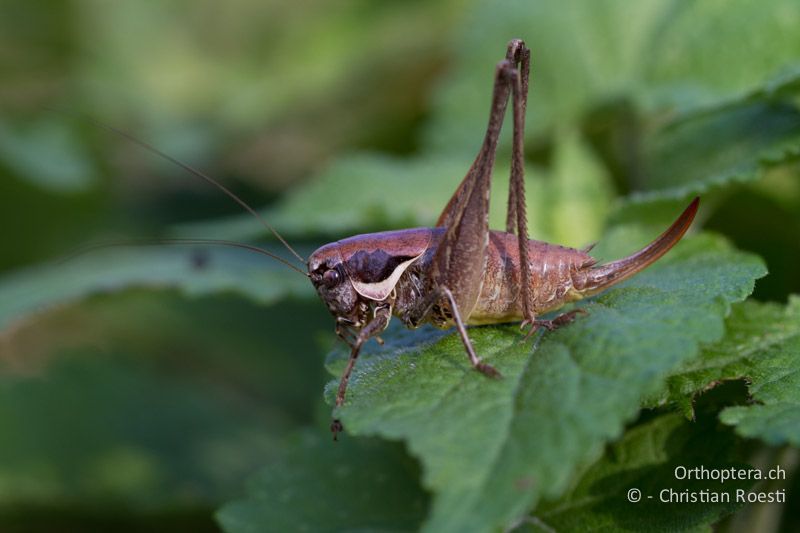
[[352, 274], [327, 272]]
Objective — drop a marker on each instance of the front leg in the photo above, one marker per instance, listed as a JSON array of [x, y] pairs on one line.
[[381, 319]]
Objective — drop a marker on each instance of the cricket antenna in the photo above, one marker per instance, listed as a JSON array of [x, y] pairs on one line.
[[170, 242], [198, 174]]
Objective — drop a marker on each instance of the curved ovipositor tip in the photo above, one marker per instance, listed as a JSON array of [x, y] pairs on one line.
[[601, 277]]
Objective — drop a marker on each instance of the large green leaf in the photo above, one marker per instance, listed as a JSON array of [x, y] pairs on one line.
[[763, 347], [711, 50], [645, 459], [492, 448], [195, 272], [346, 486], [700, 152], [319, 485]]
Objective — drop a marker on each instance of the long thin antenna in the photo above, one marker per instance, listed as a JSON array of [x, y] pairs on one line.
[[158, 242], [197, 173]]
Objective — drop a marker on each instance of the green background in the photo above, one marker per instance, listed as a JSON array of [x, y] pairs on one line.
[[145, 388]]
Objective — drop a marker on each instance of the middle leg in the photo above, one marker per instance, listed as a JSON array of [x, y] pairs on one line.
[[425, 308]]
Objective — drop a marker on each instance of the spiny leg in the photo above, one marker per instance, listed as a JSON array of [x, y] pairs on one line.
[[460, 259], [517, 204], [376, 325], [425, 307], [520, 57], [477, 364], [382, 316], [517, 220], [481, 169]]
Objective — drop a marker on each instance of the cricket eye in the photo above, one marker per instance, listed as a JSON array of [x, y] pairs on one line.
[[330, 278]]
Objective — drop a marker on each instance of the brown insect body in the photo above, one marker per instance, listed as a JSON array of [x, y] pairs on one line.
[[391, 269]]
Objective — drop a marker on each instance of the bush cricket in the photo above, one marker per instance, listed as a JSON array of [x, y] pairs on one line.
[[458, 273]]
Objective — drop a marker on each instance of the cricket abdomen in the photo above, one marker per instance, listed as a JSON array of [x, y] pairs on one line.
[[559, 274], [553, 269]]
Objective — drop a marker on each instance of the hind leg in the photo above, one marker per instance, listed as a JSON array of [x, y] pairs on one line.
[[551, 325]]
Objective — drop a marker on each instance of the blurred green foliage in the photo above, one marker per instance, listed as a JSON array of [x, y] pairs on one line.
[[141, 387]]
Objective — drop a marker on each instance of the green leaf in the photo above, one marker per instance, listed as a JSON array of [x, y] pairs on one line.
[[67, 168], [645, 458], [763, 347], [715, 149], [712, 50], [709, 153], [194, 272], [572, 203], [776, 422], [491, 449], [319, 485]]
